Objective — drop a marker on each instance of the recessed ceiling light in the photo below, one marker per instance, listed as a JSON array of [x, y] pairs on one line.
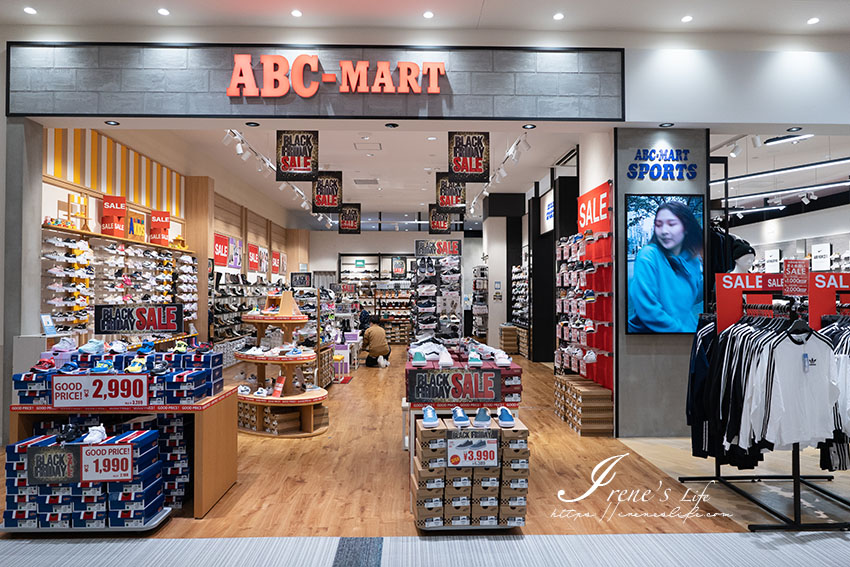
[[558, 16], [432, 138], [365, 137], [687, 19], [111, 123], [793, 129], [30, 11], [296, 13], [424, 189], [813, 21], [391, 125], [666, 125], [370, 155], [406, 215], [163, 12], [421, 204], [428, 15], [380, 188], [529, 126], [252, 124]]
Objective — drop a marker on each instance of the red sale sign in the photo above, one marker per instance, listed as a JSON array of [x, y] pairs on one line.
[[253, 258], [100, 390], [795, 278], [114, 211], [221, 247], [593, 209], [275, 262]]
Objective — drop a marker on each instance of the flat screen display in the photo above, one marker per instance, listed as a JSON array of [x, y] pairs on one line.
[[664, 251]]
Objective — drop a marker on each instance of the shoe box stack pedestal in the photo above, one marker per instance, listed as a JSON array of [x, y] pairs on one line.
[[293, 417], [443, 497], [211, 444], [587, 407], [134, 505], [508, 338], [523, 342]]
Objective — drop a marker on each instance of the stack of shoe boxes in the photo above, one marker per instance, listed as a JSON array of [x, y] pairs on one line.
[[137, 502], [281, 420], [175, 430], [21, 498], [459, 498], [211, 362], [508, 340], [485, 496], [513, 497], [32, 388], [247, 416], [429, 476]]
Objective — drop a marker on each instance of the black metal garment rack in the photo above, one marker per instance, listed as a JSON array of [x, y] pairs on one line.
[[786, 524]]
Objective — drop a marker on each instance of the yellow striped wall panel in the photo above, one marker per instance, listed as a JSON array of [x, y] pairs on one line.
[[88, 158]]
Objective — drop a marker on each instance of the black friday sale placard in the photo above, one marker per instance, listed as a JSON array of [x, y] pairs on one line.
[[469, 157], [327, 192], [297, 155]]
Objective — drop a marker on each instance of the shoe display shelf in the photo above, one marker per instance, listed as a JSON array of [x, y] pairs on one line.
[[584, 307], [438, 308], [587, 407], [95, 269], [447, 498], [480, 309], [293, 417], [213, 441], [520, 297], [232, 296]]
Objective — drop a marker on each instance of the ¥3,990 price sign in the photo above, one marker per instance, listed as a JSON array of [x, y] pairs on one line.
[[106, 463], [473, 448], [100, 390]]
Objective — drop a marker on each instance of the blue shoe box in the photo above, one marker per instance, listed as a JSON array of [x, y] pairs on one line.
[[22, 503], [186, 380], [170, 419], [217, 373], [135, 518], [85, 420], [135, 500], [216, 387], [138, 423], [142, 441], [90, 360], [30, 381], [89, 503], [89, 519], [187, 396], [54, 520], [19, 487], [20, 519], [43, 399], [207, 360], [166, 430], [18, 451], [140, 481], [128, 357], [173, 359], [175, 488], [81, 489], [145, 460], [177, 473], [16, 469], [87, 489], [55, 504]]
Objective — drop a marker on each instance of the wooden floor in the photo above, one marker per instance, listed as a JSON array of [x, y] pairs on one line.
[[352, 481]]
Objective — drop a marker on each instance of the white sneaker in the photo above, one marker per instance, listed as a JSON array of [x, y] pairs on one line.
[[502, 359], [243, 390], [382, 362], [446, 359], [65, 344], [95, 435]]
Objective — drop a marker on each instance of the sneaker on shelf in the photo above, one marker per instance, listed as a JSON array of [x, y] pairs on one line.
[[589, 326], [482, 418], [43, 365], [94, 346], [95, 435], [459, 417], [418, 358], [69, 368], [146, 348], [243, 390], [475, 359], [65, 344], [180, 347], [503, 359], [446, 360], [506, 418], [117, 347], [589, 295], [136, 366], [429, 418], [160, 368], [590, 357], [104, 367], [262, 392]]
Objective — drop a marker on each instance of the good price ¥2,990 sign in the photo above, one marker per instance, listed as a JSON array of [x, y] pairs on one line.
[[100, 390]]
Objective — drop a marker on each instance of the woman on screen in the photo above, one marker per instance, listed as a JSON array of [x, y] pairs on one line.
[[666, 289]]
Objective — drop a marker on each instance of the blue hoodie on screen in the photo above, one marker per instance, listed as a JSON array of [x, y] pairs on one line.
[[663, 299]]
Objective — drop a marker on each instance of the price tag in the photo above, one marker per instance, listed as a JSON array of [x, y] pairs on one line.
[[100, 390], [471, 448], [490, 481], [583, 337], [573, 364], [583, 368], [106, 463]]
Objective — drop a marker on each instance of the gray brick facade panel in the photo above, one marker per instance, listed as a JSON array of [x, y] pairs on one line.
[[187, 81], [32, 57], [536, 83], [556, 62], [19, 79], [514, 106], [31, 103], [166, 103], [76, 102], [493, 83], [143, 80], [165, 57], [120, 57], [599, 62], [53, 80], [121, 103], [514, 61], [578, 84], [75, 57], [99, 80]]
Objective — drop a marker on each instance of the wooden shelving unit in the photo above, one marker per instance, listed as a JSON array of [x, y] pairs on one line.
[[296, 416]]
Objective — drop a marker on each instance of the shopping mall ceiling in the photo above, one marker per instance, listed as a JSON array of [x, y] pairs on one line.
[[759, 16]]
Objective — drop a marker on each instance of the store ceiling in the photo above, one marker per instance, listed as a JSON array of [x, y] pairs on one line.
[[760, 16]]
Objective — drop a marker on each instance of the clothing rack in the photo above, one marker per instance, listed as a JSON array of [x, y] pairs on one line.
[[793, 309]]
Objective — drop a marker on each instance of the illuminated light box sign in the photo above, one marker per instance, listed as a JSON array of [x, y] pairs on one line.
[[662, 164], [469, 157], [327, 192], [302, 75], [451, 195], [349, 219], [438, 222], [297, 155], [162, 318]]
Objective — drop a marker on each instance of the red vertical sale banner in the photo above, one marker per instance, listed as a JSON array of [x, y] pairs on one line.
[[253, 258], [221, 248], [160, 227], [795, 278], [114, 212], [275, 262], [594, 209]]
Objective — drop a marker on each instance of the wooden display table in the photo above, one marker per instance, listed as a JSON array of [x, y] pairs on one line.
[[305, 401], [214, 465], [286, 363]]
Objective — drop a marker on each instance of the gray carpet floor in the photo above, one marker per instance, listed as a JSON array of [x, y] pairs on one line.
[[623, 550]]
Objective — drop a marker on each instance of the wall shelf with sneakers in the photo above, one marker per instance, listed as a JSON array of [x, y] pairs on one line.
[[521, 306], [213, 466], [480, 309], [293, 416]]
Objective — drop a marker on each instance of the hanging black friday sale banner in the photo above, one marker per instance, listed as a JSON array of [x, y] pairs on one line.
[[469, 157], [451, 195], [349, 219], [438, 222], [327, 192], [297, 155]]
